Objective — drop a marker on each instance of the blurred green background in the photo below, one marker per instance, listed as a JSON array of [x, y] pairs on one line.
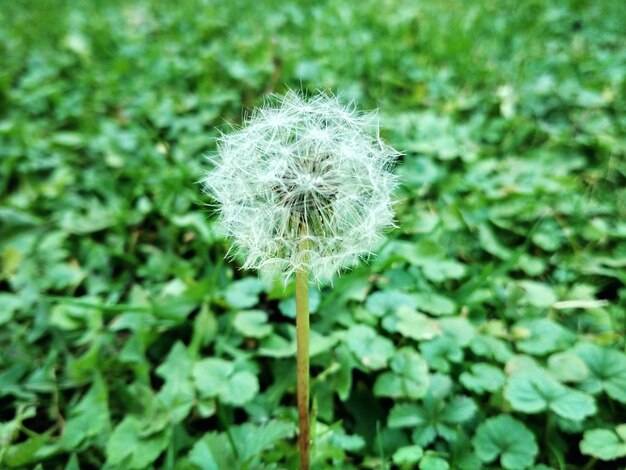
[[488, 332]]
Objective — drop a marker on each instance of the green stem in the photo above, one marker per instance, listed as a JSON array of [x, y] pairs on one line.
[[302, 359]]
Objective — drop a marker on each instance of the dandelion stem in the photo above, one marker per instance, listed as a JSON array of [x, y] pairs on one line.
[[302, 358]]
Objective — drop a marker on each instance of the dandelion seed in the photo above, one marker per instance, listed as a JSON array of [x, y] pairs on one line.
[[306, 172]]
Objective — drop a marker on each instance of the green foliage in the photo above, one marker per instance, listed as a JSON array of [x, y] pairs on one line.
[[372, 350], [408, 377], [605, 444], [217, 378], [437, 415], [535, 392], [136, 443], [408, 455], [482, 377], [508, 439], [607, 370], [488, 331], [242, 448]]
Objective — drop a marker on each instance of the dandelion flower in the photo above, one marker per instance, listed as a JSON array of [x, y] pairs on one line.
[[304, 188], [303, 185]]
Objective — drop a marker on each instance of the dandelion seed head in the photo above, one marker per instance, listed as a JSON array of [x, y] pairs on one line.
[[304, 184]]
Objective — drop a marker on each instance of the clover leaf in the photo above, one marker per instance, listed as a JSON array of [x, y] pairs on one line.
[[538, 294], [506, 438], [435, 415], [441, 351], [252, 323], [408, 377], [288, 306], [415, 325], [490, 348], [536, 391], [137, 442], [482, 378], [607, 368], [219, 378], [542, 336], [407, 455], [244, 293], [567, 367], [443, 270], [372, 350], [384, 302], [459, 328], [432, 462], [215, 451], [178, 391], [90, 417], [605, 444], [435, 304]]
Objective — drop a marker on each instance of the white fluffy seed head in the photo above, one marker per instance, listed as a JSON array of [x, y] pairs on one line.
[[304, 184]]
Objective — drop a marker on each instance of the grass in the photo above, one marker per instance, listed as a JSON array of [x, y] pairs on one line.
[[116, 302]]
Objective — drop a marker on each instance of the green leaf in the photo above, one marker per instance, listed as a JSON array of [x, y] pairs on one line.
[[490, 348], [538, 294], [458, 328], [491, 244], [198, 223], [407, 455], [26, 452], [432, 462], [458, 410], [219, 378], [371, 349], [506, 438], [277, 346], [607, 368], [462, 455], [549, 236], [215, 452], [482, 378], [252, 323], [288, 306], [605, 444], [416, 325], [409, 376], [535, 391], [441, 351], [349, 442], [435, 415], [211, 376], [321, 343], [386, 302], [134, 444], [404, 415], [252, 440], [72, 463], [541, 336], [522, 363], [89, 418], [244, 293], [435, 304], [177, 365], [93, 217], [443, 270], [425, 251], [177, 394], [9, 304], [568, 367]]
